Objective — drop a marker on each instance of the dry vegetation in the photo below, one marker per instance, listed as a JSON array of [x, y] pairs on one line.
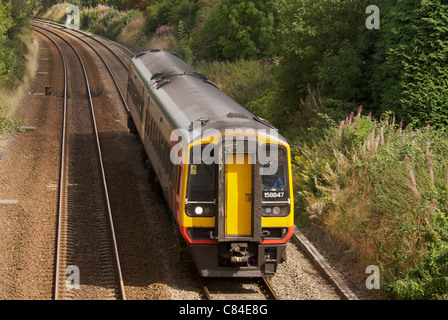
[[382, 190]]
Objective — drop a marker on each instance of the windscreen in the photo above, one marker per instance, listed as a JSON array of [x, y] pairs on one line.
[[202, 183], [275, 180]]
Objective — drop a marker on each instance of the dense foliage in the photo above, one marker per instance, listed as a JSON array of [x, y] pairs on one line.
[[242, 29], [383, 190], [14, 18], [401, 67], [410, 67]]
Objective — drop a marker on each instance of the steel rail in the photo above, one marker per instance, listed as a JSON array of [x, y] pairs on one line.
[[271, 290], [324, 267], [204, 287], [84, 33], [263, 284], [62, 166], [105, 189], [123, 100]]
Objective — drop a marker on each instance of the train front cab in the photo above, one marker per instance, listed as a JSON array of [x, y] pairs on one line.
[[237, 221]]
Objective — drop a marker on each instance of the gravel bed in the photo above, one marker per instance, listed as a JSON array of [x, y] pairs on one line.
[[298, 279], [29, 165]]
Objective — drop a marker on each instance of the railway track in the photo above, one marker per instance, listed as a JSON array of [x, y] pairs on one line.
[[213, 289], [125, 53], [87, 262], [237, 289], [110, 58]]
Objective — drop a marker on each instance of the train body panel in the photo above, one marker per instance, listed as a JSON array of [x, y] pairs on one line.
[[233, 213]]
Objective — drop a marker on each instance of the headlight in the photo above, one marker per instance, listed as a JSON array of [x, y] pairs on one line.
[[275, 211], [200, 210]]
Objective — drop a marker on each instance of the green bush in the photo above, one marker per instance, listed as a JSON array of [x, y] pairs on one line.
[[409, 70], [430, 279], [326, 45], [316, 38], [8, 124], [239, 29], [182, 47], [88, 18], [14, 22], [170, 13], [317, 42], [104, 21]]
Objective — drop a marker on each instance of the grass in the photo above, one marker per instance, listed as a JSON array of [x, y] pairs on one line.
[[10, 96], [8, 124], [382, 190], [56, 12]]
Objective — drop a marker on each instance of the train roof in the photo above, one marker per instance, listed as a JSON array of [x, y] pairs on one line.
[[186, 96]]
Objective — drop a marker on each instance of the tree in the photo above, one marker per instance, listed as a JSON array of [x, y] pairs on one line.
[[316, 38], [317, 45], [243, 29], [410, 68]]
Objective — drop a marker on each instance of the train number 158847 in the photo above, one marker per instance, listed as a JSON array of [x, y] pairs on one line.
[[273, 194]]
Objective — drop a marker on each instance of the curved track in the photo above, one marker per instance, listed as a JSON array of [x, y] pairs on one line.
[[116, 65], [110, 58], [86, 245]]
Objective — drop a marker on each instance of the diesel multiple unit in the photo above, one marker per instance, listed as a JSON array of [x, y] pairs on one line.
[[225, 173]]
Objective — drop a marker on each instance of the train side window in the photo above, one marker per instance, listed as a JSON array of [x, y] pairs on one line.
[[162, 151], [152, 130], [139, 103], [179, 175], [165, 162], [172, 171], [167, 159], [132, 92], [157, 141], [148, 117], [164, 156], [147, 123]]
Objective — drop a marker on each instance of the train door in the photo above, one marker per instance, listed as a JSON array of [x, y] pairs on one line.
[[239, 195]]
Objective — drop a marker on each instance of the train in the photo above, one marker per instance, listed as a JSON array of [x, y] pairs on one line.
[[224, 173]]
